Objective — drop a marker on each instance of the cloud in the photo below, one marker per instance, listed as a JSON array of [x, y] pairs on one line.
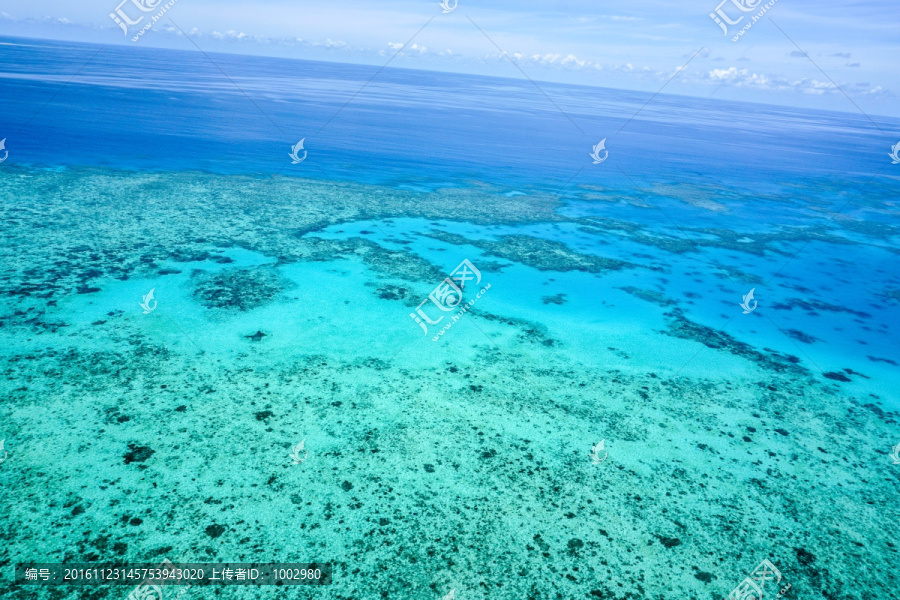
[[842, 55], [416, 49], [547, 60], [738, 77], [872, 91], [44, 21], [798, 54], [571, 62], [853, 64], [229, 35], [745, 78], [239, 37]]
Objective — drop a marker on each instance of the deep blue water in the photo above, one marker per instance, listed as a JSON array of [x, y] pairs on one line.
[[151, 109]]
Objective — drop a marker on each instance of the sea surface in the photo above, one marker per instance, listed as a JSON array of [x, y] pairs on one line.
[[451, 305]]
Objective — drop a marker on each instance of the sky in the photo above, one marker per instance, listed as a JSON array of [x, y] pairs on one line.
[[799, 53]]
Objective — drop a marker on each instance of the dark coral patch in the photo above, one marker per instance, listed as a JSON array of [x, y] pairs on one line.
[[544, 255], [804, 557], [800, 336], [649, 296], [215, 531], [884, 360], [138, 453], [835, 376], [238, 289], [557, 299], [684, 328], [392, 292]]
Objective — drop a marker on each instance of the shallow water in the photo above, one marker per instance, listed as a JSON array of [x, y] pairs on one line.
[[281, 313]]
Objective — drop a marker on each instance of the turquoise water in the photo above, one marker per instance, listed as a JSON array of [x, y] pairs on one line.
[[281, 310]]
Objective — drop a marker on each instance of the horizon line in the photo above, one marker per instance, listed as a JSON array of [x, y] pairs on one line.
[[526, 79]]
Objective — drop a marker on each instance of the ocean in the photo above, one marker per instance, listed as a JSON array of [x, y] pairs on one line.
[[440, 346]]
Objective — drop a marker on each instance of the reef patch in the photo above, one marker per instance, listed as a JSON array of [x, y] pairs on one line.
[[237, 289]]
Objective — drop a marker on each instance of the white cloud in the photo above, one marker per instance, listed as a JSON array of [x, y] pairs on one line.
[[738, 77], [745, 78]]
